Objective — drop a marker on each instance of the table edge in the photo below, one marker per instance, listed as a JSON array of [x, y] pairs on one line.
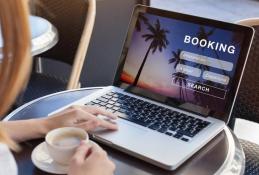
[[10, 115]]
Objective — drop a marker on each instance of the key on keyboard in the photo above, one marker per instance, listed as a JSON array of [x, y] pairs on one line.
[[152, 116]]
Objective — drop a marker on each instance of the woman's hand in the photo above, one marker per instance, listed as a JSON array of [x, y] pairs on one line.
[[77, 116], [84, 117], [90, 159]]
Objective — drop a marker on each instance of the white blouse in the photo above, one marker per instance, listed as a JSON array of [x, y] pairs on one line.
[[7, 162]]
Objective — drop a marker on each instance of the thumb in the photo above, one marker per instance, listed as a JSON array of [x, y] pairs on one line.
[[81, 152]]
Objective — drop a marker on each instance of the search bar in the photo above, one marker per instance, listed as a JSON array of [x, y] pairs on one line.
[[208, 61]]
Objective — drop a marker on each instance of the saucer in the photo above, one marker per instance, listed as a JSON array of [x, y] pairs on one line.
[[41, 159]]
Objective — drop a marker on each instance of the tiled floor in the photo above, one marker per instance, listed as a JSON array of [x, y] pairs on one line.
[[226, 10]]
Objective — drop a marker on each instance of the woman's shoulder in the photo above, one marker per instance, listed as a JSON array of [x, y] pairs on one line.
[[7, 162]]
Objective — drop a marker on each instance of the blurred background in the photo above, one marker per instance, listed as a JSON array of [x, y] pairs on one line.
[[111, 27]]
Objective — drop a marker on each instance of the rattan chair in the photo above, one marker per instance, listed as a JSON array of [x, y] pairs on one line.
[[74, 20], [247, 103]]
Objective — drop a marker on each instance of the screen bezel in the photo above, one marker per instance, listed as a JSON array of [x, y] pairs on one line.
[[248, 35]]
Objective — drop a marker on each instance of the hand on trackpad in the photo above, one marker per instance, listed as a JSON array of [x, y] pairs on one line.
[[105, 118], [107, 123]]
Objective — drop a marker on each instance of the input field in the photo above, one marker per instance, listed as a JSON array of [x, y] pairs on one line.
[[188, 70], [214, 77], [208, 61]]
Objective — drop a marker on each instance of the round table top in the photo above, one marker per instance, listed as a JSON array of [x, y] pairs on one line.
[[44, 35], [222, 155]]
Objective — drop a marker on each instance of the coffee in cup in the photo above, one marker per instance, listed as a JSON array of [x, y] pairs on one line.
[[62, 143]]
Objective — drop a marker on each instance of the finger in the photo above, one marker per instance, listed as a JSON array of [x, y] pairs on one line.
[[95, 123], [88, 125], [83, 115], [100, 110], [106, 124], [81, 152], [96, 149]]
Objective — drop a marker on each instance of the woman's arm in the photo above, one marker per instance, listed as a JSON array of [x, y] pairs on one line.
[[77, 116], [22, 130]]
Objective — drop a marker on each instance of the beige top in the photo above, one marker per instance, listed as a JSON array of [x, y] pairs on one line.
[[7, 162]]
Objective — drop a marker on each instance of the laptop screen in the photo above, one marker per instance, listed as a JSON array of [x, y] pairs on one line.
[[187, 62]]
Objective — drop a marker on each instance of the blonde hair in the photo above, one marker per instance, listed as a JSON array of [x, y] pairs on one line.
[[16, 61]]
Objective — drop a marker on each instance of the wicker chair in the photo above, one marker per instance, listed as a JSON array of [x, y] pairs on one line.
[[247, 103], [74, 20]]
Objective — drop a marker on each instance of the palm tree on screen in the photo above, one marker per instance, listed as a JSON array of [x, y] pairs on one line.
[[202, 34], [176, 58], [159, 41], [141, 18], [179, 77]]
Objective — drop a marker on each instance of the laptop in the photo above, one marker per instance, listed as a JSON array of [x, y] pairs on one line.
[[175, 85]]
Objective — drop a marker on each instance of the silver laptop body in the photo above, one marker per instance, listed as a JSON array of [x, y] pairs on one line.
[[154, 147], [162, 148]]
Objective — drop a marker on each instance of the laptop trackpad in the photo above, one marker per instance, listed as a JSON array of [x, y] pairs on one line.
[[127, 133]]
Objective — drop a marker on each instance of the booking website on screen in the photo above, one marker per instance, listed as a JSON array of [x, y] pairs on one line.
[[185, 61]]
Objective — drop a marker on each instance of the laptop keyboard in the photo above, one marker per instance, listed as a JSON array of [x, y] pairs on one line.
[[161, 119]]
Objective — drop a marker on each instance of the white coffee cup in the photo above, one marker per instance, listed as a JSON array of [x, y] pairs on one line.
[[62, 143]]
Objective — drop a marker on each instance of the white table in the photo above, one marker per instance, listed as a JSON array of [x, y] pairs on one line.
[[44, 35]]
